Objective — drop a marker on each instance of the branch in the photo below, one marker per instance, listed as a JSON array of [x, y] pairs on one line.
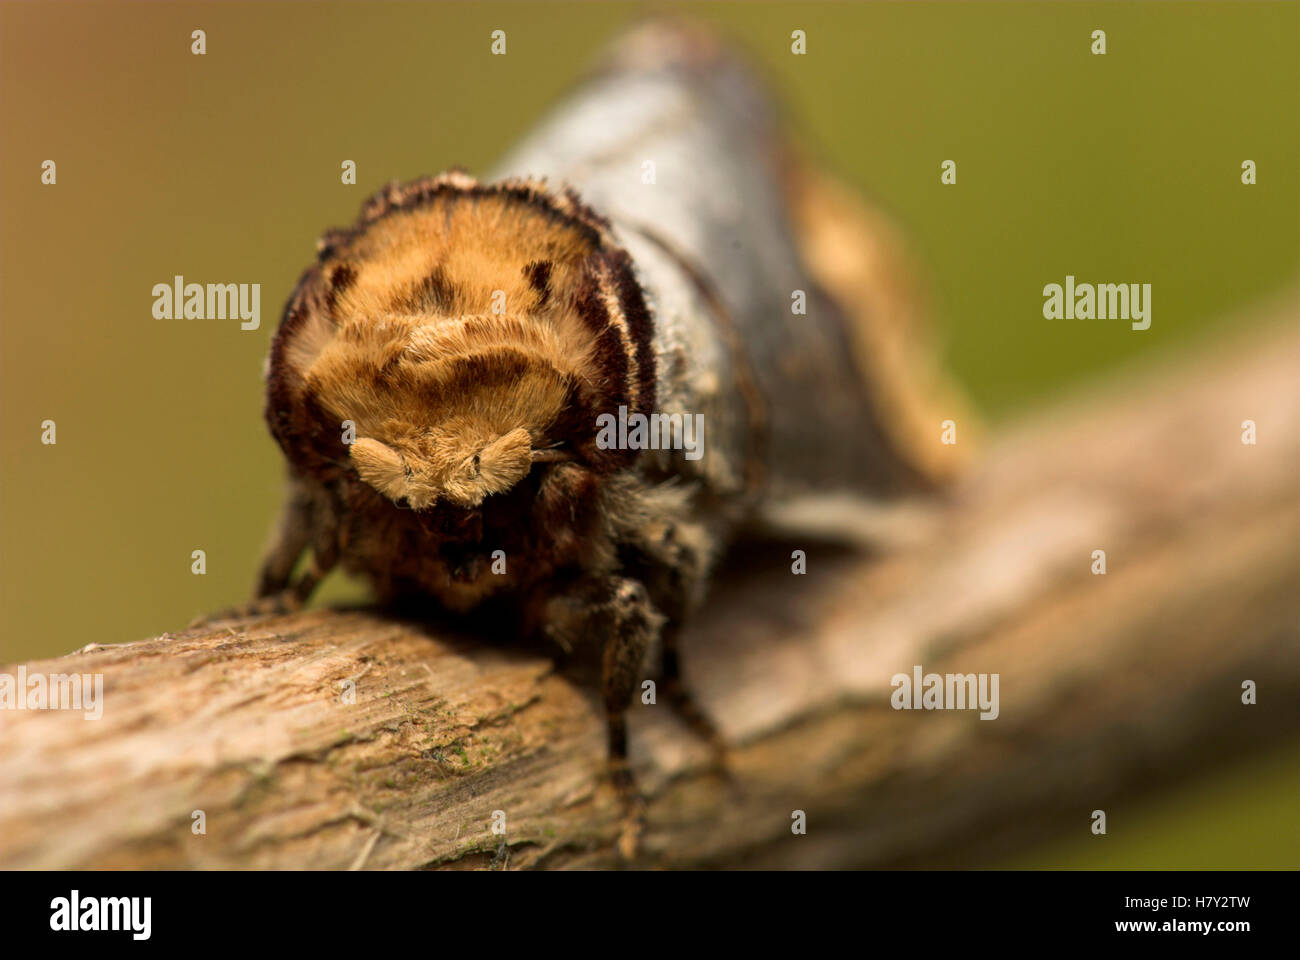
[[1107, 682]]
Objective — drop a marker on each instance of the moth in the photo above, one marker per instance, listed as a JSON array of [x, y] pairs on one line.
[[655, 249]]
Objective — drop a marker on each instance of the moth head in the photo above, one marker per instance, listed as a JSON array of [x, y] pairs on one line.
[[467, 333], [418, 479], [446, 408]]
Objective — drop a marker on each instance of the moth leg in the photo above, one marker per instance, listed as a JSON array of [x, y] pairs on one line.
[[683, 702], [289, 600], [289, 538], [319, 517], [618, 610], [672, 562], [302, 519], [324, 557]]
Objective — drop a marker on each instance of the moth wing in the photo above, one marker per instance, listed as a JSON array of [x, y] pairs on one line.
[[857, 256]]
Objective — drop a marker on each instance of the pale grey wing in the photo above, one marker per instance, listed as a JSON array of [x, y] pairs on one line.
[[677, 145]]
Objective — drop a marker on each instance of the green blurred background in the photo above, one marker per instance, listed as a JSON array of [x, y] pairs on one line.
[[225, 168]]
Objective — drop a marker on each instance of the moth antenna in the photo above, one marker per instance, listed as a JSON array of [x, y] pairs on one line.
[[552, 454], [380, 466], [494, 469]]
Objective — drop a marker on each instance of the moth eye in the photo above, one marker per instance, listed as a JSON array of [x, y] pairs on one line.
[[402, 503]]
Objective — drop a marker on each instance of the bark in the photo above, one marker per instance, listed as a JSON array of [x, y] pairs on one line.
[[1107, 683]]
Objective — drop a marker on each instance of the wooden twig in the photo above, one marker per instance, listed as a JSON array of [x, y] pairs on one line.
[[1107, 683]]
